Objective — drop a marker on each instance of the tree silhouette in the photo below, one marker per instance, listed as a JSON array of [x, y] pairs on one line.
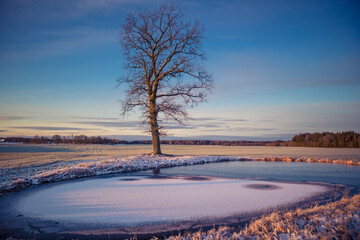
[[164, 65]]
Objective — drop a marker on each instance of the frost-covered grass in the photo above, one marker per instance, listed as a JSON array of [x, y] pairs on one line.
[[304, 159], [336, 220], [17, 179]]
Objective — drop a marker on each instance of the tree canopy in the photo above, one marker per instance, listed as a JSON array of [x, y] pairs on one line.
[[164, 65]]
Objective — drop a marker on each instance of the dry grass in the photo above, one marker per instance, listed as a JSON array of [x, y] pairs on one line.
[[75, 153], [52, 154], [311, 160], [337, 220]]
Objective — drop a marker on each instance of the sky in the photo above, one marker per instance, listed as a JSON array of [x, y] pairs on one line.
[[280, 67]]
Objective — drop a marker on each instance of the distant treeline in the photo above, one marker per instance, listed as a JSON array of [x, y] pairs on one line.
[[327, 139], [57, 139], [216, 142], [82, 139]]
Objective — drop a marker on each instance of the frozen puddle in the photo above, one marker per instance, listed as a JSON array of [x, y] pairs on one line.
[[140, 200]]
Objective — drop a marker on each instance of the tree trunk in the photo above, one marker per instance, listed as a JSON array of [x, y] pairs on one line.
[[154, 128], [155, 139]]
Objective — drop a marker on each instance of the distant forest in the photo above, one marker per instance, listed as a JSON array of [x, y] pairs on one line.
[[325, 139], [82, 139]]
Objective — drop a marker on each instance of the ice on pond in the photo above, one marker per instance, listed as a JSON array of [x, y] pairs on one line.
[[139, 200]]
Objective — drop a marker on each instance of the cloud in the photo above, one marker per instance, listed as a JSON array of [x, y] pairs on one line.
[[95, 118], [87, 6], [189, 124], [67, 42], [203, 119], [218, 119], [137, 124], [234, 120], [250, 72], [214, 123], [129, 124], [67, 10], [204, 124], [12, 118], [268, 120], [240, 129], [179, 127], [253, 129], [52, 128]]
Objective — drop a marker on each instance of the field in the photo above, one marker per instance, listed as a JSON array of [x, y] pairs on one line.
[[23, 165], [13, 156]]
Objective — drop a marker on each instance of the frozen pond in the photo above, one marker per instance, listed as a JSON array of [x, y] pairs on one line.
[[139, 200], [188, 197], [282, 171]]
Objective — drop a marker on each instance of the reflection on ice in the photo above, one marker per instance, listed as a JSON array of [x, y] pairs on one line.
[[139, 200]]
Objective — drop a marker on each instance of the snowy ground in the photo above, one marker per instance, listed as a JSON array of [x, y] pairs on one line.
[[17, 178], [24, 155]]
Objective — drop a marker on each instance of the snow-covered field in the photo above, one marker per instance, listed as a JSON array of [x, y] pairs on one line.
[[12, 156], [25, 165]]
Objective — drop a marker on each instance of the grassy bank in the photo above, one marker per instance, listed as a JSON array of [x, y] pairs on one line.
[[336, 220], [310, 160]]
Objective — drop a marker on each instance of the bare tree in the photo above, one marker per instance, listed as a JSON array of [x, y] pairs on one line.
[[164, 63]]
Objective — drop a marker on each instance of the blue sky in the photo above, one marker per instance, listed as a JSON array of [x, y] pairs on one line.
[[280, 68]]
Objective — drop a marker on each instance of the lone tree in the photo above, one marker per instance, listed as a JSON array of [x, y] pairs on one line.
[[164, 65]]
